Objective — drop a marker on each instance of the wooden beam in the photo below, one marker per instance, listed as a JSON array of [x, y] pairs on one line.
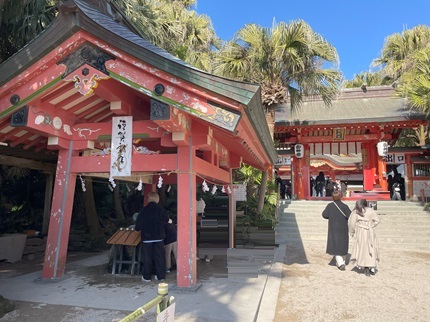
[[210, 171], [140, 163], [28, 164], [329, 138]]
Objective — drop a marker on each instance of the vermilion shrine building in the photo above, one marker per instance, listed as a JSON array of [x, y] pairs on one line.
[[341, 141], [93, 95]]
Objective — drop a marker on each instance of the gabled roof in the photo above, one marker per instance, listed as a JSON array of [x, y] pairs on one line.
[[102, 20], [375, 104]]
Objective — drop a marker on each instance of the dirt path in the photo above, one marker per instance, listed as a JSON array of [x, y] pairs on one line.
[[318, 291]]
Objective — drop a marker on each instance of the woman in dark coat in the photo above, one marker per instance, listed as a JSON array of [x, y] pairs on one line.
[[319, 184], [337, 214]]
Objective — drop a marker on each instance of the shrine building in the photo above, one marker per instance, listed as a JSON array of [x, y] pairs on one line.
[[351, 141], [95, 98]]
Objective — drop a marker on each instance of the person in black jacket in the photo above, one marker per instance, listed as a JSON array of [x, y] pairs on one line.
[[320, 184], [151, 223], [337, 214]]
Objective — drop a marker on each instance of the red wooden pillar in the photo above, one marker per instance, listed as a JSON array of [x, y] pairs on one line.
[[187, 251], [305, 172], [367, 166], [382, 173], [61, 215], [408, 180], [301, 178], [295, 176], [373, 162]]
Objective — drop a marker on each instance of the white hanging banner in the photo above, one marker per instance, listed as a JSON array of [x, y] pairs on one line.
[[121, 146]]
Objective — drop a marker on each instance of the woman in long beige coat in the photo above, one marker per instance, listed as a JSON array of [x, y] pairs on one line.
[[361, 224]]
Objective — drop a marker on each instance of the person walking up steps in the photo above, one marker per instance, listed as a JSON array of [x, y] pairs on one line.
[[361, 224], [337, 214]]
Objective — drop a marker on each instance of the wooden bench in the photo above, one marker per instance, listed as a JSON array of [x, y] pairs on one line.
[[126, 237]]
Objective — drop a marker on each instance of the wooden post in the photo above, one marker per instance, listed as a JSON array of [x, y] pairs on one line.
[[48, 200], [382, 173], [61, 215], [367, 172], [187, 221], [232, 216], [301, 178], [408, 177]]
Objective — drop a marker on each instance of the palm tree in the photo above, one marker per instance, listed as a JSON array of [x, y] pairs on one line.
[[191, 36], [21, 21], [416, 85], [288, 60], [399, 50], [368, 79], [171, 25]]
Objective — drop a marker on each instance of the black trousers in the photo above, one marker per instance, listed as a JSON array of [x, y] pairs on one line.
[[153, 254]]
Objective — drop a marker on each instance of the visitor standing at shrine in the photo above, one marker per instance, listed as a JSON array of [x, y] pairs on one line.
[[151, 222], [320, 184]]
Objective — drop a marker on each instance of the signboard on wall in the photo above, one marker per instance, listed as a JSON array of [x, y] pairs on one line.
[[239, 191], [395, 158], [284, 160], [339, 134]]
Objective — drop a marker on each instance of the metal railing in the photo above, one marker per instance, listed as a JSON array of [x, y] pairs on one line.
[[160, 301]]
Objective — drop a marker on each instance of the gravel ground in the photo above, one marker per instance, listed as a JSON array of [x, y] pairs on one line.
[[313, 289]]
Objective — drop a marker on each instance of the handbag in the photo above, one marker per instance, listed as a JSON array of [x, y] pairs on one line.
[[340, 210]]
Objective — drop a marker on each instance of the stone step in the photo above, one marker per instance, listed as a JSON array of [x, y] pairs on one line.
[[379, 209], [404, 225], [382, 246], [387, 220], [381, 240], [390, 231]]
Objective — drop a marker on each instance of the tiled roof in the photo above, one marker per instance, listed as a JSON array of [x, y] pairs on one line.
[[354, 105], [100, 19]]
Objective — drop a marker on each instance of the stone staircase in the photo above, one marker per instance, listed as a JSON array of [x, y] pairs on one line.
[[404, 225]]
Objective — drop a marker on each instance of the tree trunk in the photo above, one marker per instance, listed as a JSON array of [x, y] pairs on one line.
[[90, 207], [262, 195], [119, 212], [270, 119]]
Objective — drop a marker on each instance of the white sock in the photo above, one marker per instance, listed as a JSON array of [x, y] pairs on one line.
[[339, 260]]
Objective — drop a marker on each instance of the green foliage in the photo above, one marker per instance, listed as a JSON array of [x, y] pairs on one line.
[[416, 82], [288, 57], [368, 79], [252, 178], [21, 21], [399, 50]]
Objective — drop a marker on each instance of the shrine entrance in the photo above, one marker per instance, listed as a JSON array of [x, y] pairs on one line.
[[349, 141]]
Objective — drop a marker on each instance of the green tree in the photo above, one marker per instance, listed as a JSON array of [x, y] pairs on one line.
[[416, 84], [368, 79], [399, 50], [173, 26], [21, 21], [288, 60], [406, 57]]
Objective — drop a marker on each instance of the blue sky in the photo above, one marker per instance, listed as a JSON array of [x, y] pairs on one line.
[[356, 28]]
